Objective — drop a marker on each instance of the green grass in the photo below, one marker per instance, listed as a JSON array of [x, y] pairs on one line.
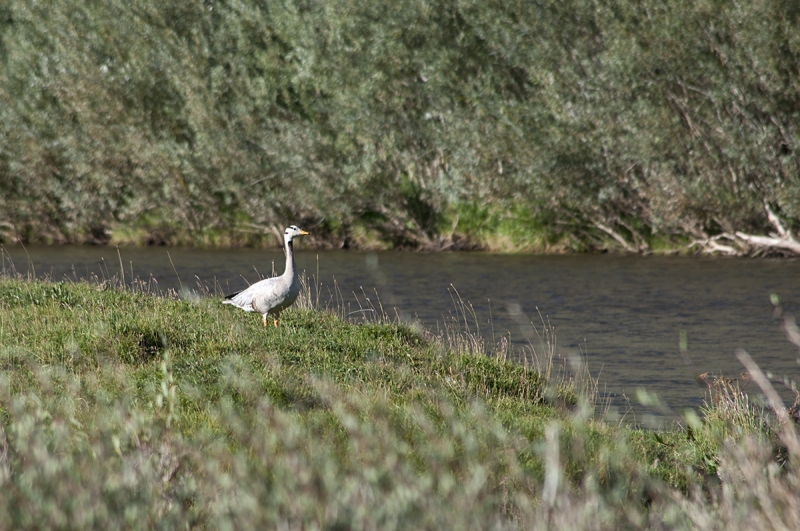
[[122, 409]]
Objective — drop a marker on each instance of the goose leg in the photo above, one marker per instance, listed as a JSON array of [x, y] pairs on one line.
[[265, 319], [275, 317]]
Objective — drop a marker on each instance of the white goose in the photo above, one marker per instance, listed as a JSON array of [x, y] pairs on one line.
[[272, 295]]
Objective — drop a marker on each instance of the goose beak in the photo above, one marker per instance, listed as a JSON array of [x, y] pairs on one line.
[[303, 233]]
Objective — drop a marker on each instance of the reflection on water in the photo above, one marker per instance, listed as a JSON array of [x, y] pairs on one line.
[[651, 323]]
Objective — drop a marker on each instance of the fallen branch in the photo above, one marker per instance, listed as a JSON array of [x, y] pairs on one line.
[[783, 240], [771, 242], [743, 243], [711, 245]]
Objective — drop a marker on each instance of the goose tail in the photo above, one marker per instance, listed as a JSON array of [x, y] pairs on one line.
[[232, 295]]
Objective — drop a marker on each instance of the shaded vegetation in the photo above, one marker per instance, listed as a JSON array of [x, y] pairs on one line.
[[534, 125]]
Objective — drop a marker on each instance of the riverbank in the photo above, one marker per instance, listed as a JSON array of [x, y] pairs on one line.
[[493, 234], [496, 235], [129, 408]]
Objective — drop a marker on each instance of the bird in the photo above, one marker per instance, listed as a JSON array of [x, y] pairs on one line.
[[272, 295]]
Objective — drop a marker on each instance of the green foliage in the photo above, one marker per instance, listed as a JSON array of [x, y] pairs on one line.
[[218, 122]]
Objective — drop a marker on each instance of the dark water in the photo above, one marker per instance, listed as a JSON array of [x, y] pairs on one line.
[[624, 314]]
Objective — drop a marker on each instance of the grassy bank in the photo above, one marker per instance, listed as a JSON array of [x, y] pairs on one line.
[[123, 409]]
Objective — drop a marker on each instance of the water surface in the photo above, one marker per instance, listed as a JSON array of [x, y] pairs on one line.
[[624, 314]]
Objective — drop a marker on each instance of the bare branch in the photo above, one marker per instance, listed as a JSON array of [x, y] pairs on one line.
[[777, 223], [611, 232], [783, 240], [787, 243], [711, 245]]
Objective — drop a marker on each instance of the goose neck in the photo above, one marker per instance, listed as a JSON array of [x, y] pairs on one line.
[[288, 247]]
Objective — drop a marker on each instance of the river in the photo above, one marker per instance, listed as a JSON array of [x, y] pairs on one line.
[[640, 323]]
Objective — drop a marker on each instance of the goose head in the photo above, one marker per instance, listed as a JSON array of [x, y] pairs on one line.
[[292, 232]]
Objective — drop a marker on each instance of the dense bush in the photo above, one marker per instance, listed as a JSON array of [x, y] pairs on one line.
[[424, 124]]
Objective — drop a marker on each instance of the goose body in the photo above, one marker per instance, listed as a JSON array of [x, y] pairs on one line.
[[272, 295]]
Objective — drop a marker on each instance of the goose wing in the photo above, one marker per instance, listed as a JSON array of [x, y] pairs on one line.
[[245, 299]]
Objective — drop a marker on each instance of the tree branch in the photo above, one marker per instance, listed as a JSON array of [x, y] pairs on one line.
[[783, 240], [611, 232]]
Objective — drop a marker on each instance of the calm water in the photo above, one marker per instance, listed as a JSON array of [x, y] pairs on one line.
[[626, 314]]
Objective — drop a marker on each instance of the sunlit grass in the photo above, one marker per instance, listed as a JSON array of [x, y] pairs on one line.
[[127, 409]]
